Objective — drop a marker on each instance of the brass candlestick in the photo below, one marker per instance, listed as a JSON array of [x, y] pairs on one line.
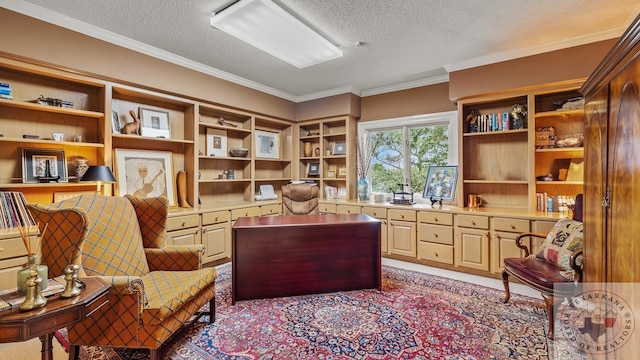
[[34, 298], [70, 275]]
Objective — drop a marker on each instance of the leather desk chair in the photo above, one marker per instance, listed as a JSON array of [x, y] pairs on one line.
[[300, 199]]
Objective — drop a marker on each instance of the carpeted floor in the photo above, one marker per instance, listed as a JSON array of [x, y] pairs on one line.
[[416, 316]]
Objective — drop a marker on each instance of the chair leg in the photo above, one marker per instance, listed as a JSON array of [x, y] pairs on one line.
[[505, 282], [212, 310], [550, 301], [74, 352], [155, 354]]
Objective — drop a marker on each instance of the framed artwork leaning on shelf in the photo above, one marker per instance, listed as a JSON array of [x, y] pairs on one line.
[[39, 164], [216, 142], [115, 122], [339, 148], [267, 144], [441, 182], [313, 169], [145, 173], [154, 123]]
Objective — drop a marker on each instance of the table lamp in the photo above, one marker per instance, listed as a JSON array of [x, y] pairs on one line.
[[99, 173]]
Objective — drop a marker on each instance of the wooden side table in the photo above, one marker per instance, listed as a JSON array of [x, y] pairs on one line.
[[58, 313]]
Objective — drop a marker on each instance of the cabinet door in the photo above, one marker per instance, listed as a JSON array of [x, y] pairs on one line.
[[402, 238], [184, 237], [503, 245], [217, 242], [384, 242], [472, 248]]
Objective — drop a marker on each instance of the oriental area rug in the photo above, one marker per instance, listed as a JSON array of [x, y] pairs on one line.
[[415, 316]]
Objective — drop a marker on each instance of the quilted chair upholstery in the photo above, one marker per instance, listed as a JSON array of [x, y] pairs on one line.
[[300, 199], [155, 288]]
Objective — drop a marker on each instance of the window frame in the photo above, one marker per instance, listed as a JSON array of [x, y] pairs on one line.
[[406, 123]]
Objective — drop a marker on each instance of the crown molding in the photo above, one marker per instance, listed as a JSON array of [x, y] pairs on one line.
[[406, 85]]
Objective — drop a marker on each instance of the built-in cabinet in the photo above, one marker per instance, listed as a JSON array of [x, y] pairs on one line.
[[401, 232], [472, 242], [503, 158]]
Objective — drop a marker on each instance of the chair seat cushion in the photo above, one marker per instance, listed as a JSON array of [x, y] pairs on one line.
[[167, 291], [541, 273]]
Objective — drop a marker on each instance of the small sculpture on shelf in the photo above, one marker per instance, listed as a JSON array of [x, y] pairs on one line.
[[519, 116], [471, 121], [132, 128], [47, 174]]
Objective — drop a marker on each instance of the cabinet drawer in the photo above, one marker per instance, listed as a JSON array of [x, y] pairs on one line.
[[12, 247], [348, 209], [328, 208], [272, 209], [405, 215], [512, 225], [380, 213], [542, 226], [435, 252], [215, 217], [246, 212], [473, 221], [183, 222], [435, 218], [435, 234]]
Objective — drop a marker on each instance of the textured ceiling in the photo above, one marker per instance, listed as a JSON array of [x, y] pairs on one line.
[[406, 42]]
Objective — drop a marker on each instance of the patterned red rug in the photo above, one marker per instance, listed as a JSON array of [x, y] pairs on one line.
[[416, 316]]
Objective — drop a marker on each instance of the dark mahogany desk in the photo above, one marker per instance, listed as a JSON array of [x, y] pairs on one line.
[[275, 256], [58, 313]]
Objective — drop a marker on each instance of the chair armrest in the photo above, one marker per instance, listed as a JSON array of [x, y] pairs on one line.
[[123, 284], [524, 235], [175, 258], [576, 261]]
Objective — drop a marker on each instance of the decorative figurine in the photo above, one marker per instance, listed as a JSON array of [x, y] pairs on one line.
[[70, 276], [471, 121], [519, 115], [34, 298], [132, 128]]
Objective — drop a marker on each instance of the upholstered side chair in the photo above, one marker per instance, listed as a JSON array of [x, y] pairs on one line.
[[300, 199], [155, 288], [559, 260]]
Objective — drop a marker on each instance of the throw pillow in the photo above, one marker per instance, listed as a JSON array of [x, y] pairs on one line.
[[561, 242]]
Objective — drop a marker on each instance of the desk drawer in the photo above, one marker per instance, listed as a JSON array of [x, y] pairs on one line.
[[473, 221], [183, 222], [435, 218], [435, 252], [215, 217], [376, 212], [245, 212], [404, 215], [348, 209], [12, 247], [328, 208], [436, 234], [273, 209], [511, 225]]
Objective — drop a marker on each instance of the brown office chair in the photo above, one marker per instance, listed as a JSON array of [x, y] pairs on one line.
[[300, 199], [559, 260]]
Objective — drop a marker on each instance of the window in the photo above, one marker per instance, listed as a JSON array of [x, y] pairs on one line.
[[404, 148]]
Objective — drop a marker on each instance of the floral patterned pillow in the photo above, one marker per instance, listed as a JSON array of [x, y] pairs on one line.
[[561, 242]]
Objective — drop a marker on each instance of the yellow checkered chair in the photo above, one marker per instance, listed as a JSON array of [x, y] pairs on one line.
[[155, 288]]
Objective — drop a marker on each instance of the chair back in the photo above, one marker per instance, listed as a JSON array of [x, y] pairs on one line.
[[300, 199], [579, 208]]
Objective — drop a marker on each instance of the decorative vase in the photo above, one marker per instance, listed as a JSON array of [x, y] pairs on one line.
[[81, 168], [23, 274], [307, 149], [363, 189]]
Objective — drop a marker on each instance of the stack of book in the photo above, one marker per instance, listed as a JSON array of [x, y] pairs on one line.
[[13, 210], [5, 91]]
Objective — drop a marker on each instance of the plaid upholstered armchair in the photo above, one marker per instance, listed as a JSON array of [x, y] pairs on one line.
[[155, 289]]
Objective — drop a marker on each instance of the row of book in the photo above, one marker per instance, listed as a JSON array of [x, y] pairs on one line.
[[13, 210], [560, 203], [5, 91]]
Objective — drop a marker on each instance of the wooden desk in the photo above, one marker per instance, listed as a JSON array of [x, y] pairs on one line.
[[275, 256], [58, 313]]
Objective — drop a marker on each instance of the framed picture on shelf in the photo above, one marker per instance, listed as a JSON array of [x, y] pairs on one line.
[[44, 165], [216, 142], [342, 192], [339, 148], [342, 171], [154, 123], [267, 144], [115, 122], [330, 174], [313, 169], [441, 183], [145, 173]]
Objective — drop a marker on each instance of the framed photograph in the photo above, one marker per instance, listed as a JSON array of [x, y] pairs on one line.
[[145, 173], [342, 192], [267, 144], [39, 164], [339, 148], [216, 142], [115, 122], [330, 174], [342, 171], [313, 169], [441, 183], [154, 123]]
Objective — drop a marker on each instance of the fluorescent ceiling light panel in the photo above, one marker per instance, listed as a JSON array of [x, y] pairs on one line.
[[270, 28]]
